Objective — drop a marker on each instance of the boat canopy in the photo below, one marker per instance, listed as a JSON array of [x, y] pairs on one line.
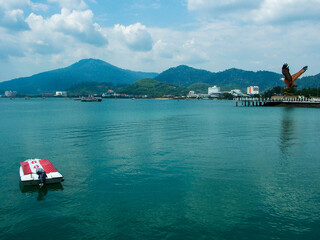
[[30, 167]]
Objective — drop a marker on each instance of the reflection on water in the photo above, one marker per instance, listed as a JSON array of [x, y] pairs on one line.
[[287, 188], [42, 191], [150, 169], [287, 132]]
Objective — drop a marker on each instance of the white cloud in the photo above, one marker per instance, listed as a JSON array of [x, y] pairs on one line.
[[9, 46], [228, 9], [12, 15], [136, 36], [287, 11], [21, 4], [39, 7], [71, 4], [13, 20], [227, 5], [251, 35], [76, 24], [193, 52], [220, 45], [164, 49], [256, 11], [180, 51], [14, 4]]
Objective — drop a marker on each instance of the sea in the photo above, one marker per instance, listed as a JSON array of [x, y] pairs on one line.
[[161, 169]]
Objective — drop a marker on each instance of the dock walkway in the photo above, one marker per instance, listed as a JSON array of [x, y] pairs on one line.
[[278, 101]]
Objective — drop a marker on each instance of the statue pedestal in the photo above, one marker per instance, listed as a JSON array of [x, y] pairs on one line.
[[288, 92]]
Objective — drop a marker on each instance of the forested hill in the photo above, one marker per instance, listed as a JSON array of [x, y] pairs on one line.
[[231, 78], [94, 70], [184, 76], [154, 88], [86, 70]]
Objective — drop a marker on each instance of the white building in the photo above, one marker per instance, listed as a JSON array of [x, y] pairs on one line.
[[214, 90], [191, 94], [237, 93], [10, 93], [61, 94], [253, 90]]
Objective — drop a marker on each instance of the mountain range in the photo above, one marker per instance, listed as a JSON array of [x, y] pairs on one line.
[[86, 70], [230, 78], [93, 70]]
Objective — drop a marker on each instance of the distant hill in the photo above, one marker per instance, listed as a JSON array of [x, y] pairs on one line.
[[154, 88], [237, 78], [86, 70], [93, 70], [231, 78], [184, 76], [199, 87], [91, 88], [309, 82]]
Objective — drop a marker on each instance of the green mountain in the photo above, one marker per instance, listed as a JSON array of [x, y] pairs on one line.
[[93, 70], [309, 82], [231, 78], [237, 78], [91, 88], [184, 76], [86, 70], [199, 87], [154, 88]]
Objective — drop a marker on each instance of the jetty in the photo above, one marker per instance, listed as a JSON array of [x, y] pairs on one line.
[[278, 101]]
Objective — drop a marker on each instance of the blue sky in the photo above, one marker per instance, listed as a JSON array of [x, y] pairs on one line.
[[153, 36]]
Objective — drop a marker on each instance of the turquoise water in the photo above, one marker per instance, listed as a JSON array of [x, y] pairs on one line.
[[161, 169]]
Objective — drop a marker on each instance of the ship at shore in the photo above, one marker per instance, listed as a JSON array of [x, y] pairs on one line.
[[91, 99]]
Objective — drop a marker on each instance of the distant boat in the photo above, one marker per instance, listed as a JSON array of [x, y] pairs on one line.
[[91, 99], [78, 98], [29, 176]]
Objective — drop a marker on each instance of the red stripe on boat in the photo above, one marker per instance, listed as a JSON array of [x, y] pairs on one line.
[[47, 166], [26, 168]]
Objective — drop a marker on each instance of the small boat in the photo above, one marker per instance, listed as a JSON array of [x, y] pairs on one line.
[[29, 176], [78, 98], [91, 99]]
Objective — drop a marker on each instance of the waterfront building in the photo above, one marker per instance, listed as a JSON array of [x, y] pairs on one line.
[[61, 94], [214, 90], [110, 93], [191, 94], [237, 93], [10, 93], [253, 90]]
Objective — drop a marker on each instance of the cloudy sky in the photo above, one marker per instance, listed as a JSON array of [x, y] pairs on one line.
[[153, 35]]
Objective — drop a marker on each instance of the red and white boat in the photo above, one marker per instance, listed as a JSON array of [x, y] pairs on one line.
[[28, 175]]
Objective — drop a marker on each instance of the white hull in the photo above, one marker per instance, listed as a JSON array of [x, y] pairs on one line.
[[33, 179]]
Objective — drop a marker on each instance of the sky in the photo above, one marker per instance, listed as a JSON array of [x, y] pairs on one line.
[[154, 35]]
